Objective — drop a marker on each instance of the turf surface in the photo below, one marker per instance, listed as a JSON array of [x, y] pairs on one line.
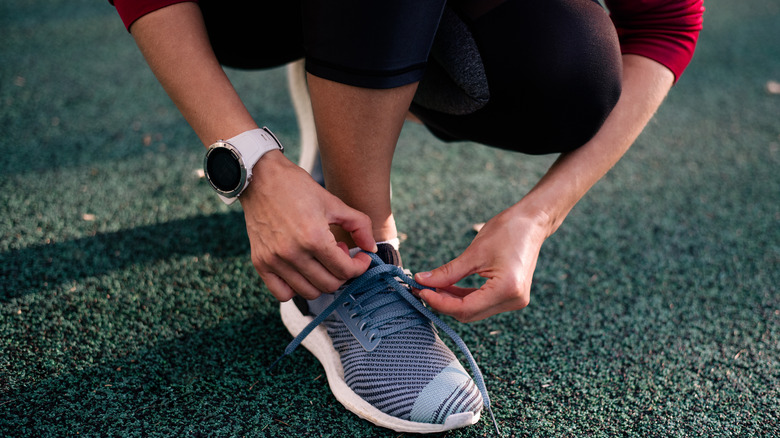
[[129, 306]]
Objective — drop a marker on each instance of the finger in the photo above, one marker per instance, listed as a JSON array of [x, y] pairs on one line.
[[341, 265], [461, 303], [357, 224], [318, 275], [479, 304], [457, 290], [469, 308], [444, 302], [297, 282], [453, 290], [279, 289], [447, 274], [343, 246]]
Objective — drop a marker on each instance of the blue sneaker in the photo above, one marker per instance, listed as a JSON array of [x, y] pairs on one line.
[[381, 353]]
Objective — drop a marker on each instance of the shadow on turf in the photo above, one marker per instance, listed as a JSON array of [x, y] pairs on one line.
[[176, 387], [45, 266], [211, 382]]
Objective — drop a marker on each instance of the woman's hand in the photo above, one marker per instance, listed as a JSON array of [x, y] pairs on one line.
[[288, 217], [505, 252], [506, 249]]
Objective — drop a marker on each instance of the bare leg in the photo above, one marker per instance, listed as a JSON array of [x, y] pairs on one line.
[[357, 129]]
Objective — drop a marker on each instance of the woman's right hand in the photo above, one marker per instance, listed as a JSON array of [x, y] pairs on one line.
[[288, 219]]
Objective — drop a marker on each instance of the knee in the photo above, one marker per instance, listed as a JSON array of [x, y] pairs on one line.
[[582, 81], [588, 77], [554, 73], [555, 76]]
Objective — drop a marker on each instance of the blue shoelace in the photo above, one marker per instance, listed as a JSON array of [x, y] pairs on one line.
[[370, 308]]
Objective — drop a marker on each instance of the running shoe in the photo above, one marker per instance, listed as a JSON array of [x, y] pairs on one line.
[[382, 355]]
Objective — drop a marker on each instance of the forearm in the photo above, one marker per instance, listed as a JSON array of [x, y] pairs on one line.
[[645, 84], [175, 44]]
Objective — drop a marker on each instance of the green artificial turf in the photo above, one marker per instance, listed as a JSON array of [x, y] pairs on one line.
[[129, 305]]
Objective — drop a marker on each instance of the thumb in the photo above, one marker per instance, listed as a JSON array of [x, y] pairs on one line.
[[356, 223], [445, 275]]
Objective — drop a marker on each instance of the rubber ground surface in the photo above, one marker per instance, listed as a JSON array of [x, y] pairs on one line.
[[129, 305]]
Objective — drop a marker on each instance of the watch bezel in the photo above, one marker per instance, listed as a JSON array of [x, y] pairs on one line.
[[237, 155]]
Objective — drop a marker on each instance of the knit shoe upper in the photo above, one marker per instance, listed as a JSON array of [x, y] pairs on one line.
[[390, 352], [409, 374]]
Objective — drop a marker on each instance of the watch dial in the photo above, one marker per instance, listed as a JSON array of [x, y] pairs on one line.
[[223, 170]]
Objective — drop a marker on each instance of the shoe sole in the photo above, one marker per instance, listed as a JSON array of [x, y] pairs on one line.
[[320, 345]]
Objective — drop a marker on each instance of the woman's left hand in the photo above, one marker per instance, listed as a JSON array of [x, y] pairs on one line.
[[504, 252]]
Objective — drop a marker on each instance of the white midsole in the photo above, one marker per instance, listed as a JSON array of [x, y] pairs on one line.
[[320, 345]]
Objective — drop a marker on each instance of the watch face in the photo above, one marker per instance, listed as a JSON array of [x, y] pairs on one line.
[[223, 169]]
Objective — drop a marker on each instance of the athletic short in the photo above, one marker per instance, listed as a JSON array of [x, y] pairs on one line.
[[534, 76]]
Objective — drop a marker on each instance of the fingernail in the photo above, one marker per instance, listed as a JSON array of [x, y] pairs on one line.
[[424, 274]]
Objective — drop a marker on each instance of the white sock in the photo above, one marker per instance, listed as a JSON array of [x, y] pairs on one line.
[[395, 243]]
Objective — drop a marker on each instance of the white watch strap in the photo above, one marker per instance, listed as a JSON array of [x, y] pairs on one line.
[[252, 145]]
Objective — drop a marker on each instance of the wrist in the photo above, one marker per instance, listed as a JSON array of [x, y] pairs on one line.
[[266, 170], [229, 165], [538, 217]]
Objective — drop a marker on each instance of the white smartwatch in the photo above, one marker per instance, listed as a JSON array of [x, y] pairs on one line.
[[228, 163]]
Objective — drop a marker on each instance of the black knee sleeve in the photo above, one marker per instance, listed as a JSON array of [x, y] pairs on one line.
[[554, 74]]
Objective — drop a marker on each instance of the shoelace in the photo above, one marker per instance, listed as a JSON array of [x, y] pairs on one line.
[[361, 296]]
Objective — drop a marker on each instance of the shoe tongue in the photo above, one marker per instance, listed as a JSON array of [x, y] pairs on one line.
[[388, 254]]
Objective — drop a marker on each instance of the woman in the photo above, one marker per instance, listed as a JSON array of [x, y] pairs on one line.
[[532, 76]]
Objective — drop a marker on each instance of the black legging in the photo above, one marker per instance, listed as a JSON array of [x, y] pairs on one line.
[[554, 74], [553, 67]]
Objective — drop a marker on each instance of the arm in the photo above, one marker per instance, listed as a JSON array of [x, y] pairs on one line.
[[288, 215], [175, 44], [645, 84], [506, 249]]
